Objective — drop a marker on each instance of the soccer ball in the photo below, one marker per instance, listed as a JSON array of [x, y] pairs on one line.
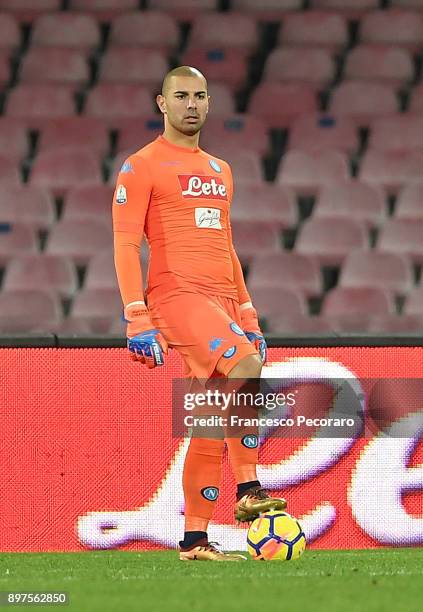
[[275, 536]]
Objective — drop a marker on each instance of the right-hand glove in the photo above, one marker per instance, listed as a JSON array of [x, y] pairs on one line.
[[145, 343]]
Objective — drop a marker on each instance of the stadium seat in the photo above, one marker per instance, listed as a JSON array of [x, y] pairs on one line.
[[123, 65], [266, 10], [409, 203], [414, 302], [16, 239], [399, 132], [113, 102], [147, 29], [396, 324], [363, 101], [397, 27], [352, 199], [264, 201], [351, 9], [416, 100], [228, 66], [5, 72], [222, 99], [217, 30], [280, 104], [54, 65], [352, 309], [98, 307], [147, 130], [390, 65], [183, 10], [287, 269], [306, 173], [74, 327], [9, 170], [314, 29], [408, 4], [318, 132], [27, 10], [104, 10], [245, 164], [75, 133], [388, 271], [89, 201], [61, 170], [404, 237], [270, 301], [313, 66], [31, 310], [13, 138], [10, 37], [47, 272], [252, 238], [33, 206], [66, 30], [299, 324], [117, 328], [331, 240], [391, 169], [79, 241], [37, 104], [101, 273], [244, 132]]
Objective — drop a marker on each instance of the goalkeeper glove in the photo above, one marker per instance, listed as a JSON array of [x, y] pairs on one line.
[[145, 343], [250, 326]]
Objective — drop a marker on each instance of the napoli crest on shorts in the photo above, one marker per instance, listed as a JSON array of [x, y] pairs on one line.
[[250, 441], [236, 329], [210, 493], [230, 352], [215, 165]]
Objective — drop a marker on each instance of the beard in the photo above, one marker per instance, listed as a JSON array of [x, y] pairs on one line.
[[186, 128]]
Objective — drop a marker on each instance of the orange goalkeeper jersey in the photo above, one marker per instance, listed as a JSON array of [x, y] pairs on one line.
[[179, 198]]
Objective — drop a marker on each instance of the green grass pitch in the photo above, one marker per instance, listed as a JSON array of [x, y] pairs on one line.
[[338, 581]]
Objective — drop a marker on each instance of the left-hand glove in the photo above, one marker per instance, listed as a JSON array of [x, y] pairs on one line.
[[251, 328]]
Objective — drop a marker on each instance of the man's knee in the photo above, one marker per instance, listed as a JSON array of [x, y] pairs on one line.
[[249, 367]]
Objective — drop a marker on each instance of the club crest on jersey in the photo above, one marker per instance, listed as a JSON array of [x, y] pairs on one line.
[[215, 165], [210, 187], [121, 195]]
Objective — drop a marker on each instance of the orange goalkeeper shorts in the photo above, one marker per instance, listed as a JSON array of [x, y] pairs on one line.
[[203, 329]]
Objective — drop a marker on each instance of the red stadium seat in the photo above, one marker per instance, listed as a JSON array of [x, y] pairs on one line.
[[245, 164], [113, 102], [89, 201], [184, 10], [390, 65], [392, 169], [414, 303], [252, 238], [409, 203], [37, 104], [117, 328], [351, 309], [9, 170], [314, 29], [10, 36], [317, 132], [228, 66], [241, 131], [331, 240], [33, 206], [61, 170], [147, 130], [400, 132], [416, 100], [29, 311], [306, 172], [74, 327], [287, 269], [75, 133], [104, 10], [266, 202], [151, 29], [133, 65], [271, 301], [16, 239], [352, 199], [216, 30], [388, 271], [298, 324], [27, 10], [98, 307], [408, 4], [66, 30], [397, 27], [13, 138], [364, 101], [222, 99], [402, 236], [352, 9], [58, 66], [47, 272], [396, 324], [4, 68], [79, 241], [280, 104], [101, 273], [266, 10], [313, 66]]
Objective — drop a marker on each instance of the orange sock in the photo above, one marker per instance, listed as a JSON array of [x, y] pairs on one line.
[[201, 481], [243, 456]]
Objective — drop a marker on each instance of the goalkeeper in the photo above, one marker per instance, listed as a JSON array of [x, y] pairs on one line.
[[179, 197]]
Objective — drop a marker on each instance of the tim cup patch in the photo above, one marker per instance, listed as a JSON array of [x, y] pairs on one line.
[[210, 493], [230, 352], [236, 329], [249, 441], [121, 195]]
